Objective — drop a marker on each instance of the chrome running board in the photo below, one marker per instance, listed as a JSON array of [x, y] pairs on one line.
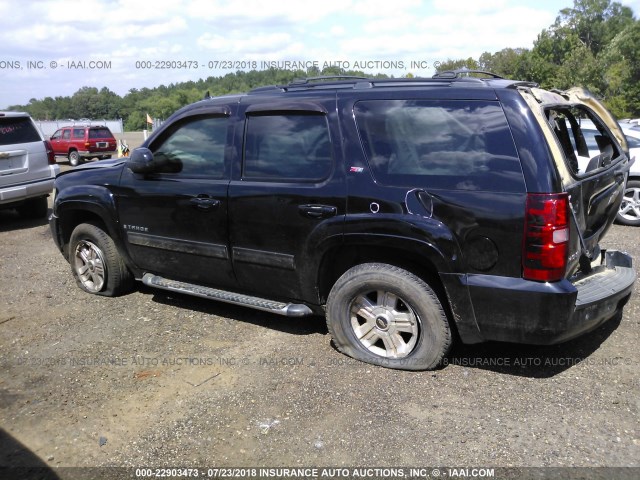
[[286, 309]]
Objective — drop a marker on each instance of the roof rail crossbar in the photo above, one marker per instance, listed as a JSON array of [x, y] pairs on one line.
[[463, 71]]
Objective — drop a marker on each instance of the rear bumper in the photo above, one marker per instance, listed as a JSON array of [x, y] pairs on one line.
[[516, 310], [106, 153], [15, 194]]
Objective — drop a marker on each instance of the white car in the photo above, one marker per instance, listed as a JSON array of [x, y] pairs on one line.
[[27, 165], [629, 213]]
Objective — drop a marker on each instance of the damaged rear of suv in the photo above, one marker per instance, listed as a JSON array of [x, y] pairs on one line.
[[405, 210], [568, 211]]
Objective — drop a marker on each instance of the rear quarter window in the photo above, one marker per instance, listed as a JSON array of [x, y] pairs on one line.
[[14, 130], [456, 145]]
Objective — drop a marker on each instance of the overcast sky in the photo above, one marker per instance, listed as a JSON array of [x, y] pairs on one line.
[[53, 48]]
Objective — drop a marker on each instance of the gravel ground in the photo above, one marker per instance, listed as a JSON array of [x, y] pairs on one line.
[[156, 379]]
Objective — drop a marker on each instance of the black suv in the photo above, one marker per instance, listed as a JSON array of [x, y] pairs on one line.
[[409, 211]]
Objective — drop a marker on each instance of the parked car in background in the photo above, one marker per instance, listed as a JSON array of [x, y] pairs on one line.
[[630, 123], [27, 165], [410, 212], [629, 213], [79, 143]]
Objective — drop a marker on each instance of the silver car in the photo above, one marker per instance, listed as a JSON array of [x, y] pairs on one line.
[[629, 213], [27, 165]]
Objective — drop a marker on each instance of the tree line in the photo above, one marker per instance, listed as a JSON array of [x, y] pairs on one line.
[[594, 44]]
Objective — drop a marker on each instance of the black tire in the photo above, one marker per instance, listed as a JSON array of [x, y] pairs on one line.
[[34, 208], [74, 158], [629, 213], [407, 328], [96, 263]]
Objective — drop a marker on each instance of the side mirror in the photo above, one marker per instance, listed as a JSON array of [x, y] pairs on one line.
[[141, 161]]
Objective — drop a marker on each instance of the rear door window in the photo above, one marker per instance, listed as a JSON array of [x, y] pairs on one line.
[[14, 130], [287, 147], [452, 144]]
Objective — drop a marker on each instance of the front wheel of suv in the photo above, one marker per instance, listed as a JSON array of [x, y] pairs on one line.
[[384, 315], [74, 158], [96, 263], [629, 213]]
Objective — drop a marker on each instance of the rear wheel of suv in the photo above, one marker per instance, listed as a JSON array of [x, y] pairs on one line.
[[384, 315], [96, 263], [34, 208], [629, 213], [74, 158]]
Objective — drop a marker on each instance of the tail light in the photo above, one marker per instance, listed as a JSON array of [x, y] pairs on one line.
[[51, 158], [546, 237]]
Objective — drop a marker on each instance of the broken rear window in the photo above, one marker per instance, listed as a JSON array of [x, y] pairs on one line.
[[585, 142]]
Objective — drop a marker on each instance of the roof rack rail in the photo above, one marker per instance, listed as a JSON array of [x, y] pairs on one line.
[[524, 84], [463, 71], [562, 93], [328, 81], [358, 82], [267, 88], [305, 81]]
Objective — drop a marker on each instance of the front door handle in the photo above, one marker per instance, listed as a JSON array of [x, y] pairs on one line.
[[204, 203], [317, 211]]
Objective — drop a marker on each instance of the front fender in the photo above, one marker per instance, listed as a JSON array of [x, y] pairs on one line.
[[78, 204], [90, 198]]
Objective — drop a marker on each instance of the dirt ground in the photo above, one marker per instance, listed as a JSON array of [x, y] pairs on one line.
[[156, 379]]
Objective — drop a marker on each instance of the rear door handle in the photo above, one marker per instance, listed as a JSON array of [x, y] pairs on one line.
[[204, 203], [317, 211]]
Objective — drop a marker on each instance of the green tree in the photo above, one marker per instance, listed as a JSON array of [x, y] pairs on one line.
[[505, 63], [594, 22], [621, 72], [136, 121]]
